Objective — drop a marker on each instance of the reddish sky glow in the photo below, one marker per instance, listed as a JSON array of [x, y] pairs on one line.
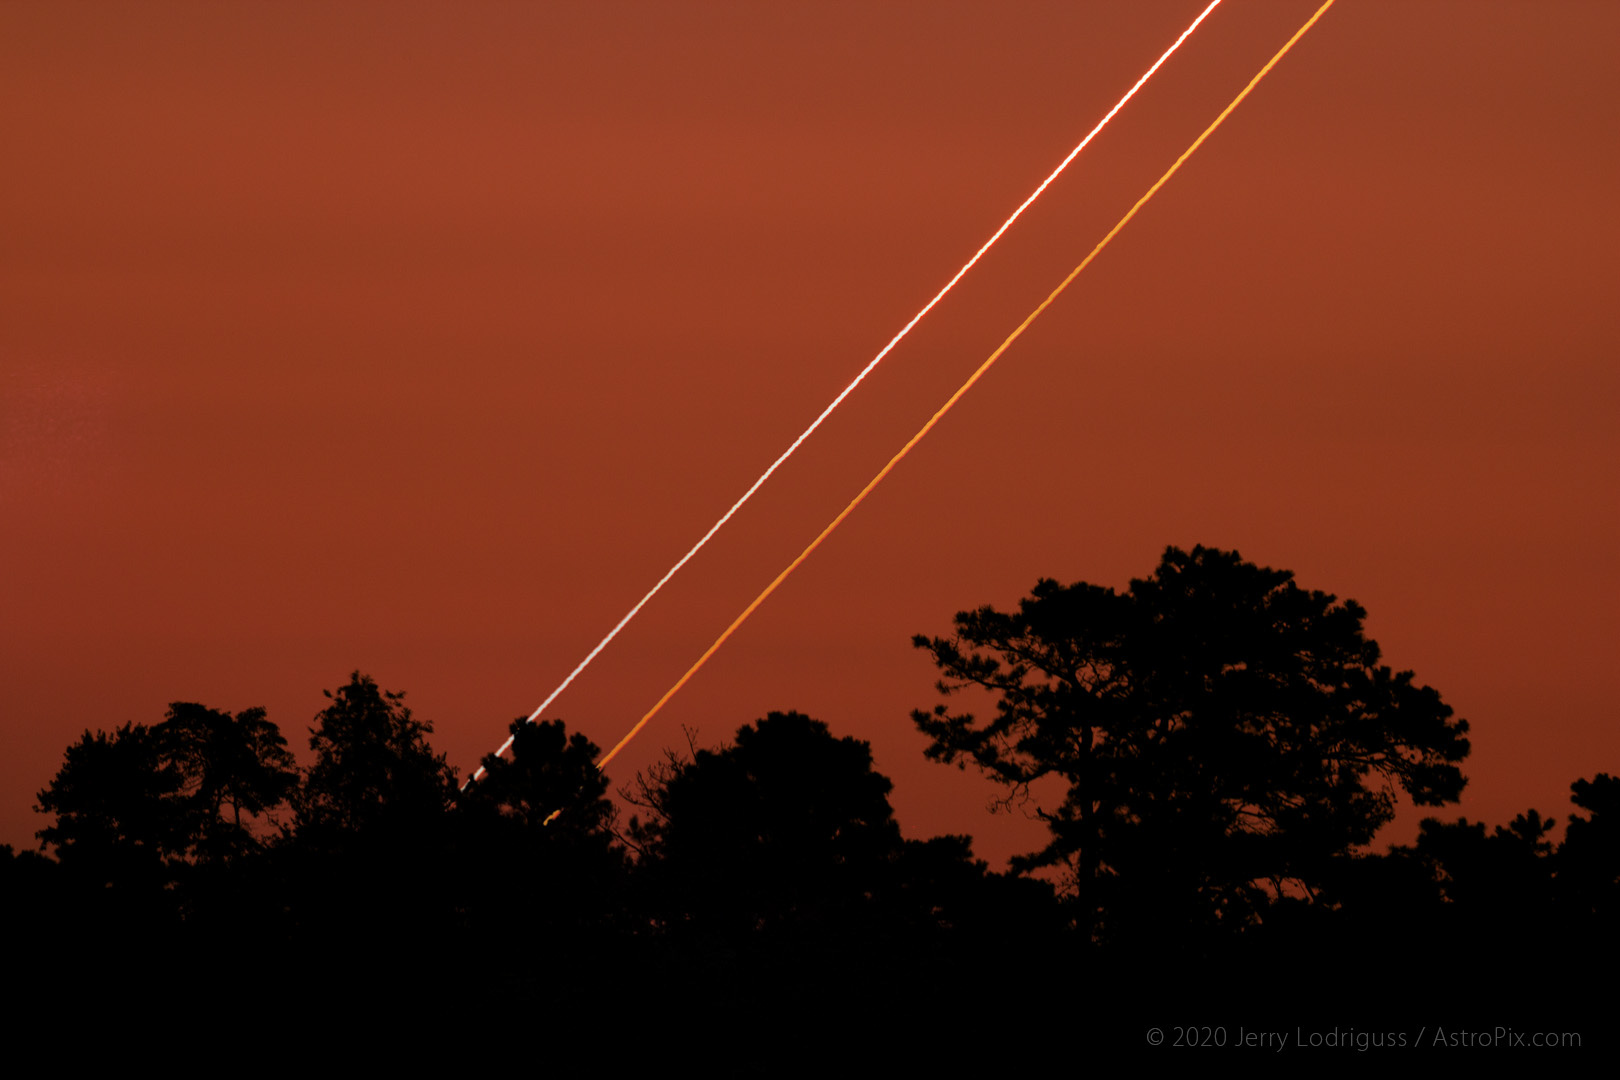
[[422, 340]]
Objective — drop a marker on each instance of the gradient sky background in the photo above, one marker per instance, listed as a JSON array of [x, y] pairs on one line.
[[422, 338]]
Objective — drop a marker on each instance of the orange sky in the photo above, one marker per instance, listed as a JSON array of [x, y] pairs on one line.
[[421, 339]]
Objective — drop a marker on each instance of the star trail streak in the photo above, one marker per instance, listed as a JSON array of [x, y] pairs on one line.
[[837, 401], [960, 393]]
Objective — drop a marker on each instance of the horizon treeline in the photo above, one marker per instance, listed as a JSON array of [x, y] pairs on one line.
[[1223, 745]]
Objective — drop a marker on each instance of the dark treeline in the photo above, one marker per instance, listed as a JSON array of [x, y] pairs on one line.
[[1213, 750]]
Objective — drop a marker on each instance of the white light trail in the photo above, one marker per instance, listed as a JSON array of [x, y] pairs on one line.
[[961, 391], [839, 400]]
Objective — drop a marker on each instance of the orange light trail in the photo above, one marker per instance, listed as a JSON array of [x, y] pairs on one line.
[[839, 400], [960, 393]]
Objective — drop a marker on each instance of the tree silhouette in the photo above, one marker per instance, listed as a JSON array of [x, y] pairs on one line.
[[368, 866], [780, 894], [117, 819], [550, 781], [536, 861], [1215, 734], [227, 766], [152, 826], [374, 770], [784, 845], [173, 792], [1589, 857], [1496, 884], [783, 834]]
